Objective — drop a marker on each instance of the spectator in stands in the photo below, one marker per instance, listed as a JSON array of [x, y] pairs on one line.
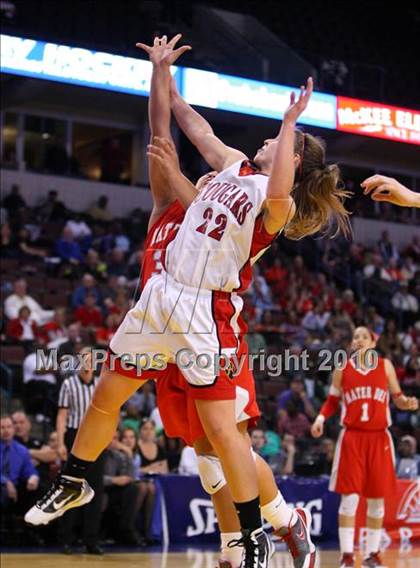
[[13, 201], [23, 329], [24, 247], [78, 227], [51, 209], [340, 321], [89, 315], [129, 443], [20, 298], [293, 421], [121, 490], [95, 266], [153, 461], [316, 319], [42, 454], [105, 333], [408, 460], [19, 478], [39, 387], [387, 248], [121, 240], [55, 330], [405, 304], [348, 304], [258, 440], [117, 264], [88, 287], [99, 211], [297, 394], [8, 246], [67, 248]]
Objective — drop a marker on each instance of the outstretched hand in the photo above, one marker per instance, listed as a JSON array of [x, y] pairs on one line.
[[383, 188], [297, 107], [163, 51], [164, 153]]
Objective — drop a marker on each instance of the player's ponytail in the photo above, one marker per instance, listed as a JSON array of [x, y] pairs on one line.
[[318, 193]]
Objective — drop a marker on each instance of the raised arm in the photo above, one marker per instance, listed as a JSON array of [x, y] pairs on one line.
[[162, 55], [201, 135], [280, 206]]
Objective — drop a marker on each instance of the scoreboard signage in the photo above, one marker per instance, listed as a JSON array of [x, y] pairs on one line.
[[374, 119]]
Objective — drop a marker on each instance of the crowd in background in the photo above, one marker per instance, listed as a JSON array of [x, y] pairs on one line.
[[68, 280]]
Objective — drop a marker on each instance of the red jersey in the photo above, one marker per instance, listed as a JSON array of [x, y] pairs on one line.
[[162, 232], [365, 397]]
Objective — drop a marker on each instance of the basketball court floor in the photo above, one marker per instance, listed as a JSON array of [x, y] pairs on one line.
[[188, 559]]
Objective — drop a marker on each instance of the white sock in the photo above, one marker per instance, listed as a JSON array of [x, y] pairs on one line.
[[346, 537], [234, 554], [278, 514], [373, 540]]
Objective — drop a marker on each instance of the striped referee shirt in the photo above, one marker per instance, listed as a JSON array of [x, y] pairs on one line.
[[75, 395]]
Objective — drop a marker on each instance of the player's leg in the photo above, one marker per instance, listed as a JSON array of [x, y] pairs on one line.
[[346, 524], [288, 523], [70, 489], [219, 423], [380, 481], [374, 523]]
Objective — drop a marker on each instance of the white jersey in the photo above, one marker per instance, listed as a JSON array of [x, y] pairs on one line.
[[222, 233]]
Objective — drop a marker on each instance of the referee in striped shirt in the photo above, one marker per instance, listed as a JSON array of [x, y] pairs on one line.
[[75, 395]]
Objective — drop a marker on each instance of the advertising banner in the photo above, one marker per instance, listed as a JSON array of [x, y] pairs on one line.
[[381, 121]]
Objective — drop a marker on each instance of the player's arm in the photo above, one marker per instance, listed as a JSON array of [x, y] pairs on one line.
[[279, 206], [383, 188], [218, 155], [400, 400], [330, 406], [162, 55], [162, 153]]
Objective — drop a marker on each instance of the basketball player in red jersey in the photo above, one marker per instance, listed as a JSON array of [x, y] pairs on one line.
[[364, 459], [173, 394], [289, 184]]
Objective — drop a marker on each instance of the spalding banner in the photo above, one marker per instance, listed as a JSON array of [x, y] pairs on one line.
[[188, 514]]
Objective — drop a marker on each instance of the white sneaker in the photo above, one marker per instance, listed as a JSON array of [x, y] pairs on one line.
[[64, 494]]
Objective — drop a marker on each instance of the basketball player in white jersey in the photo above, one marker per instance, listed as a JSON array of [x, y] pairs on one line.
[[197, 309]]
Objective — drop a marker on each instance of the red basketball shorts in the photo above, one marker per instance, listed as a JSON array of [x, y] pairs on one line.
[[364, 464]]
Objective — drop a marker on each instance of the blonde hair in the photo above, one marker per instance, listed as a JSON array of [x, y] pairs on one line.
[[318, 193]]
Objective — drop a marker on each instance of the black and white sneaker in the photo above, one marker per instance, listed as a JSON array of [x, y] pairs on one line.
[[258, 549], [64, 494]]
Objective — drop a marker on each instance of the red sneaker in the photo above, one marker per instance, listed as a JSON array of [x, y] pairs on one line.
[[347, 560], [373, 561]]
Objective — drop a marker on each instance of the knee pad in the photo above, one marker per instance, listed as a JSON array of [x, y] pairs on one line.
[[348, 505], [375, 508], [211, 474]]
